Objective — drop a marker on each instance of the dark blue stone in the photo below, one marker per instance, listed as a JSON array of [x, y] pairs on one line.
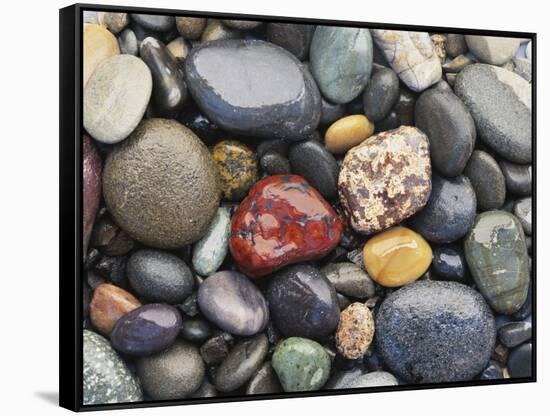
[[520, 361], [513, 334], [449, 263], [148, 329], [492, 372], [303, 303]]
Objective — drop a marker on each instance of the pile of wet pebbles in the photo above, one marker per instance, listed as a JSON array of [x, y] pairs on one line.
[[276, 207]]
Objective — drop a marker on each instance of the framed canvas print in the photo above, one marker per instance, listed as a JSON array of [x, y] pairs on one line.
[[259, 207]]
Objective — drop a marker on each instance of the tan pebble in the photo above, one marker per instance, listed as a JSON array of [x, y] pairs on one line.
[[99, 45], [109, 303], [179, 48], [190, 27], [355, 331], [348, 132]]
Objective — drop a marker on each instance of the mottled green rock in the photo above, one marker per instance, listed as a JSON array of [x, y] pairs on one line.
[[210, 250], [106, 377], [301, 364], [496, 253], [341, 61]]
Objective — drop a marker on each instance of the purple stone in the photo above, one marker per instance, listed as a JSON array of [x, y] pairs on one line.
[[91, 183]]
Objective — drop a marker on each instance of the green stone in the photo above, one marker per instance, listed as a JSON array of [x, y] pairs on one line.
[[210, 251], [496, 253], [301, 364], [106, 378]]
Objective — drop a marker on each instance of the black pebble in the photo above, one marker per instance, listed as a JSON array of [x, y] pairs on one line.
[[274, 163], [513, 334], [519, 361], [449, 263]]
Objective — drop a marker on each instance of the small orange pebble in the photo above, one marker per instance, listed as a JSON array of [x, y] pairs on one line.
[[348, 132]]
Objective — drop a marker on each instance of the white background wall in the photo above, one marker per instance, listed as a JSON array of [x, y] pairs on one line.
[[29, 206]]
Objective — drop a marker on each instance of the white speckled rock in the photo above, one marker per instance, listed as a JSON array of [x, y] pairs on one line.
[[116, 98], [210, 250], [106, 377], [411, 55], [492, 50], [528, 49]]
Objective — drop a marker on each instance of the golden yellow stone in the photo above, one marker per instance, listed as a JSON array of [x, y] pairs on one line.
[[99, 45], [396, 256], [348, 132]]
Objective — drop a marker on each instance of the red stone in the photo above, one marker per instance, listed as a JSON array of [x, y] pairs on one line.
[[283, 220]]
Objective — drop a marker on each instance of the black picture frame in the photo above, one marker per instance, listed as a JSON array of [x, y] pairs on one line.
[[70, 214]]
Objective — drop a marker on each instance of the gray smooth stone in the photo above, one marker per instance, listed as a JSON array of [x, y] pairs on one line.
[[381, 94], [513, 334], [241, 24], [520, 361], [154, 22], [350, 280], [265, 381], [523, 212], [128, 42], [520, 66], [519, 178], [487, 180], [362, 380], [274, 163], [295, 38], [210, 251], [455, 45], [491, 49]]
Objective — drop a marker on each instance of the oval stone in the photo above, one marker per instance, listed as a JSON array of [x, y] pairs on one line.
[[435, 332], [450, 211], [295, 38], [148, 329], [169, 88], [347, 132], [233, 303], [265, 381], [92, 167], [355, 331], [241, 24], [497, 257], [385, 179], [357, 379], [174, 373], [520, 361], [381, 94], [303, 303], [252, 87], [283, 220], [500, 103], [341, 61], [106, 378], [109, 303], [154, 22], [210, 251], [519, 178], [159, 277], [242, 362], [128, 43], [116, 98], [178, 193], [98, 45], [301, 364], [492, 49], [274, 163], [449, 263], [513, 334], [350, 280], [449, 127], [396, 257], [190, 27], [487, 180]]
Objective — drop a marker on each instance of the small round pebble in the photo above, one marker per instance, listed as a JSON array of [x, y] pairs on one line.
[[190, 27], [355, 331], [348, 132], [274, 163], [381, 94], [449, 263]]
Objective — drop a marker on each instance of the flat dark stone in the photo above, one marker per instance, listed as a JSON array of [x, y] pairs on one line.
[[295, 38], [253, 88], [519, 361], [381, 94], [449, 263], [519, 178], [487, 180], [513, 334]]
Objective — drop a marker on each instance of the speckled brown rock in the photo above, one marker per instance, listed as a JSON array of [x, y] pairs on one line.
[[190, 27], [177, 194], [355, 331], [109, 303], [385, 179]]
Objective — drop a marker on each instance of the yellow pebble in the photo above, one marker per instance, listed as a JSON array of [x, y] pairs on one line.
[[396, 256], [348, 132], [99, 45]]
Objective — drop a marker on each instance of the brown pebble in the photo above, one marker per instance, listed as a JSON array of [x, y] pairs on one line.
[[108, 304], [190, 27], [348, 132], [355, 331]]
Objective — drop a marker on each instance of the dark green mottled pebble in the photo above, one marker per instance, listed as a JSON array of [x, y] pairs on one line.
[[519, 361], [513, 334], [265, 381]]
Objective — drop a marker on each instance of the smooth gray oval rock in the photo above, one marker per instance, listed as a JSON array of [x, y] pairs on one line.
[[434, 332], [380, 94], [106, 378], [513, 334], [497, 257], [449, 127], [500, 103], [128, 43], [253, 88], [350, 280], [519, 178], [358, 379], [492, 49], [295, 38], [159, 276], [487, 179], [155, 22], [209, 252], [116, 97], [233, 303], [341, 61]]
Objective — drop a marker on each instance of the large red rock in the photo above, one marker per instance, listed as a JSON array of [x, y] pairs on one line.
[[283, 220]]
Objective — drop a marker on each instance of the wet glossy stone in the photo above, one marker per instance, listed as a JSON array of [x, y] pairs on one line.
[[265, 381], [450, 211], [274, 163], [385, 179], [128, 43], [174, 373], [513, 334], [159, 276], [411, 55], [270, 94], [155, 22], [449, 263], [210, 251], [109, 303], [116, 97], [380, 94], [500, 103], [205, 129], [233, 303], [350, 280], [519, 178], [312, 161], [243, 361], [92, 167], [301, 364], [497, 257], [520, 360], [396, 257], [177, 196], [295, 38], [98, 45], [491, 49], [355, 331], [302, 302], [433, 332], [487, 180], [237, 168], [331, 112], [286, 213], [348, 132], [449, 127], [146, 330], [341, 61], [523, 212], [190, 27], [106, 378], [169, 88], [195, 330]]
